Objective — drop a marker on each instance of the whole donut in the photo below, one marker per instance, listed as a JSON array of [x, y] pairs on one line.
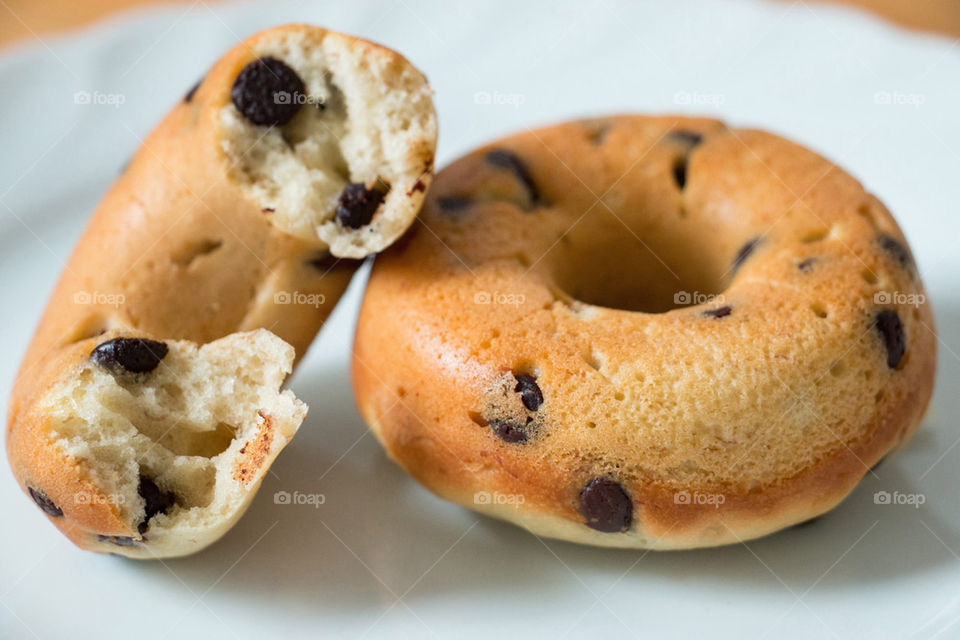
[[300, 147], [651, 332]]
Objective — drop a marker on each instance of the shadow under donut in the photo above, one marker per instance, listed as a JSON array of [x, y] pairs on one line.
[[377, 535]]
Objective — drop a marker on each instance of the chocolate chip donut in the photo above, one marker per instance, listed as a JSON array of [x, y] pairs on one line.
[[645, 332], [148, 406]]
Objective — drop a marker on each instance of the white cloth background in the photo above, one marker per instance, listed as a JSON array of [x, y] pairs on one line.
[[382, 556]]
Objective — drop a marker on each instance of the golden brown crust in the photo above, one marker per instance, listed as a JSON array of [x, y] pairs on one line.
[[254, 452], [718, 428]]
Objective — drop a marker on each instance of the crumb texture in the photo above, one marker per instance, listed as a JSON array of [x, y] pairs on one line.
[[366, 117], [202, 427]]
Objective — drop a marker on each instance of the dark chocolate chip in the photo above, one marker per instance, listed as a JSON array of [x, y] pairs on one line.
[[157, 501], [891, 332], [806, 265], [357, 205], [453, 204], [45, 503], [136, 355], [605, 506], [510, 431], [690, 138], [719, 312], [267, 92], [120, 541], [189, 96], [680, 172], [503, 159], [896, 249], [744, 253], [529, 391]]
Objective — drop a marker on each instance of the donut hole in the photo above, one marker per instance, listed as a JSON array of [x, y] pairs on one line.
[[649, 267]]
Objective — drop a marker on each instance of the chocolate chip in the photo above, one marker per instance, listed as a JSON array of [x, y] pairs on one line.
[[744, 253], [267, 92], [806, 265], [120, 541], [891, 332], [511, 431], [503, 159], [45, 503], [605, 506], [189, 96], [453, 204], [719, 312], [680, 172], [357, 205], [157, 501], [529, 391], [896, 249], [136, 355], [690, 138]]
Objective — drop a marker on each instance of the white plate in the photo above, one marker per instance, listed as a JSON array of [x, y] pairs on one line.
[[382, 556]]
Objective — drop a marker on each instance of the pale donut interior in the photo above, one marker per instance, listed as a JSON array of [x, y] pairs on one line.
[[375, 117], [194, 426]]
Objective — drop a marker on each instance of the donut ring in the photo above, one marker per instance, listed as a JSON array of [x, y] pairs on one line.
[[148, 407], [645, 332]]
